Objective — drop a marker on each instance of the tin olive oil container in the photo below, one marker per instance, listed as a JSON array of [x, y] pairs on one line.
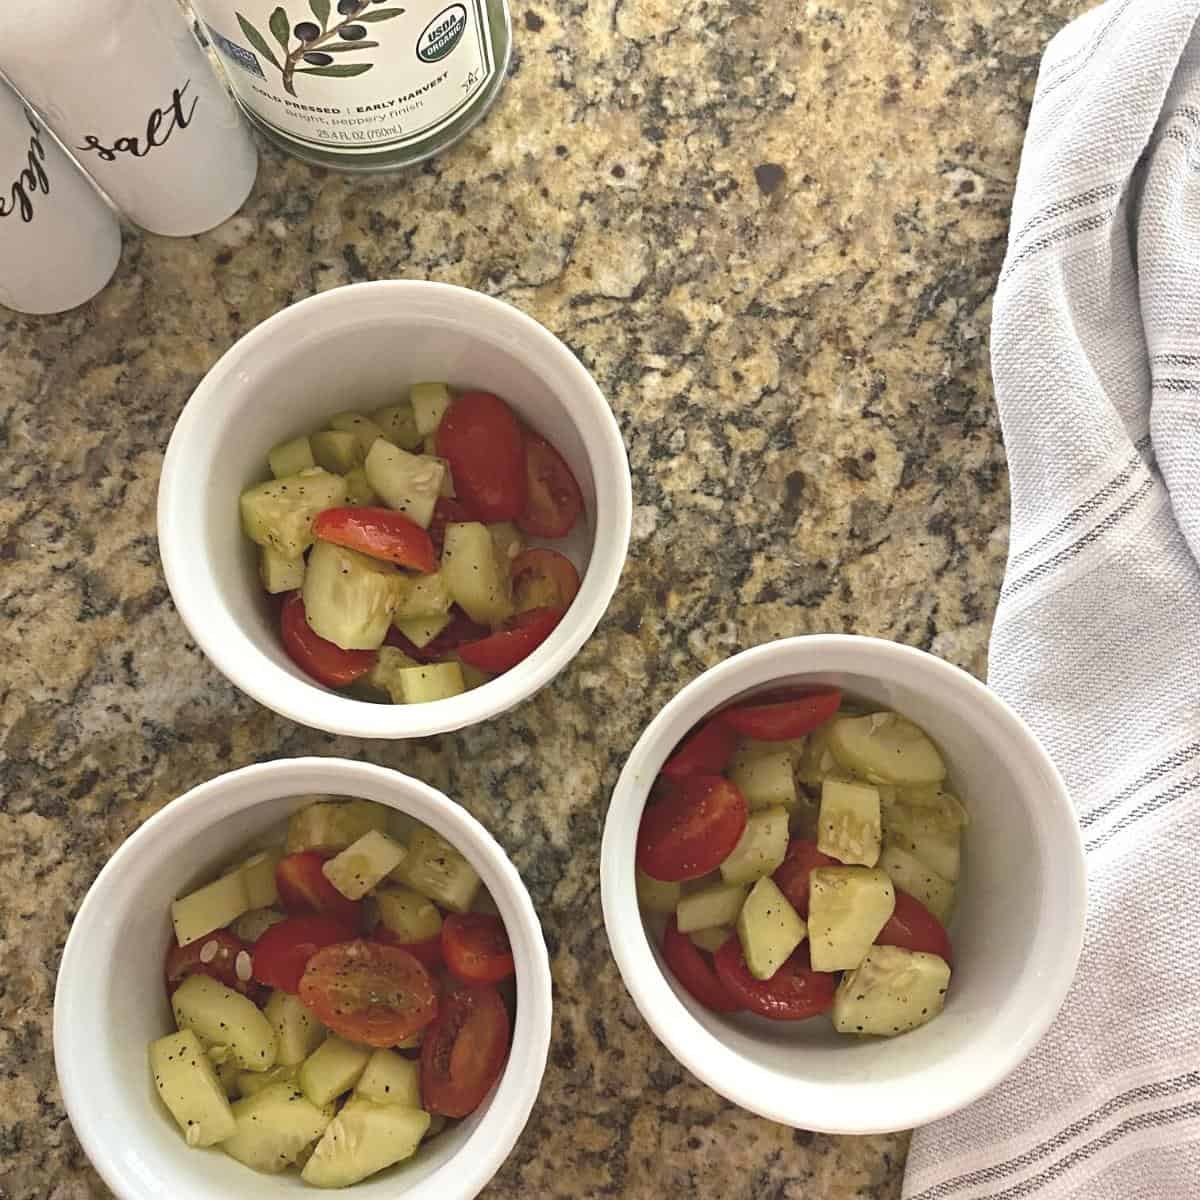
[[362, 85]]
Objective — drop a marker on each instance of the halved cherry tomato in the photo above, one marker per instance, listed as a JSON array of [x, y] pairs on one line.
[[461, 629], [693, 969], [475, 947], [428, 953], [480, 438], [283, 951], [379, 532], [219, 963], [780, 716], [554, 499], [463, 1054], [519, 638], [370, 993], [303, 888], [794, 993], [543, 579], [791, 876], [693, 830], [913, 927], [322, 660], [705, 751], [447, 511]]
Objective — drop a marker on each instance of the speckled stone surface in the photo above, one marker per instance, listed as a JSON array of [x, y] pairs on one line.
[[771, 231]]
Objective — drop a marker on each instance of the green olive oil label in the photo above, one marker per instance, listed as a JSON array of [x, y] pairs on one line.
[[354, 76]]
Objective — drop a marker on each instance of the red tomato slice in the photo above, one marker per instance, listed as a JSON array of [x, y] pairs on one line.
[[791, 875], [543, 579], [794, 993], [215, 956], [779, 716], [705, 751], [370, 993], [379, 532], [520, 637], [303, 888], [693, 830], [461, 629], [322, 660], [447, 511], [428, 953], [480, 438], [694, 970], [913, 927], [283, 951], [475, 947], [463, 1054], [554, 499]]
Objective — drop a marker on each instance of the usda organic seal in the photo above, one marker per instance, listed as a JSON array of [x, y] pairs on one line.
[[442, 34]]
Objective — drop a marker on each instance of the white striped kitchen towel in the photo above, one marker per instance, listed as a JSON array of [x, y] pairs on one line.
[[1096, 360]]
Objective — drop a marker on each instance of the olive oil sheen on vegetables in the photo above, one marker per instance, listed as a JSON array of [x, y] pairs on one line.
[[362, 85]]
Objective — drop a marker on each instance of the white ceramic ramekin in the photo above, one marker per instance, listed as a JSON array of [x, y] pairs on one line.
[[358, 348], [1017, 930], [110, 1001]]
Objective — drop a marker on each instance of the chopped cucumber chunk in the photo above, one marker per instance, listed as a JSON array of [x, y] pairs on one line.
[[221, 1015], [290, 458], [333, 824], [349, 597], [424, 596], [409, 483], [385, 674], [751, 748], [422, 630], [769, 929], [761, 848], [911, 875], [847, 907], [715, 905], [250, 1083], [929, 834], [390, 1078], [409, 915], [364, 1138], [337, 451], [429, 403], [437, 870], [891, 992], [473, 575], [711, 939], [331, 1069], [280, 513], [358, 487], [885, 748], [258, 872], [816, 763], [189, 1087], [765, 779], [399, 425], [364, 429], [358, 868], [273, 1127], [250, 926], [432, 681], [656, 895], [848, 828], [213, 906], [473, 677], [298, 1033], [508, 542]]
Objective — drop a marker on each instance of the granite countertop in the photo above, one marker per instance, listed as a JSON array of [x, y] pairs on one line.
[[773, 242]]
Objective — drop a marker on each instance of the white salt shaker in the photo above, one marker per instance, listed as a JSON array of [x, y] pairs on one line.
[[127, 88], [59, 241]]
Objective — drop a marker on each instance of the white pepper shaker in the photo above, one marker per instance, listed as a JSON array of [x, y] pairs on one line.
[[127, 88], [59, 242]]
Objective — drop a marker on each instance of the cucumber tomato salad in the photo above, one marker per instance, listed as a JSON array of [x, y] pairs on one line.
[[338, 997], [397, 542], [804, 854]]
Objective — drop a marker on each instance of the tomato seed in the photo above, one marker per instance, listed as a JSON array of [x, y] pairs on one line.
[[209, 951], [242, 966]]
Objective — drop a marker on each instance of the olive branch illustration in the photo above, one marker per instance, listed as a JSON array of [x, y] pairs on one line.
[[317, 42]]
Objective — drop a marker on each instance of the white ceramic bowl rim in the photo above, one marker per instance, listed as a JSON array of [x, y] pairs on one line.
[[78, 1043], [770, 1093], [197, 597]]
